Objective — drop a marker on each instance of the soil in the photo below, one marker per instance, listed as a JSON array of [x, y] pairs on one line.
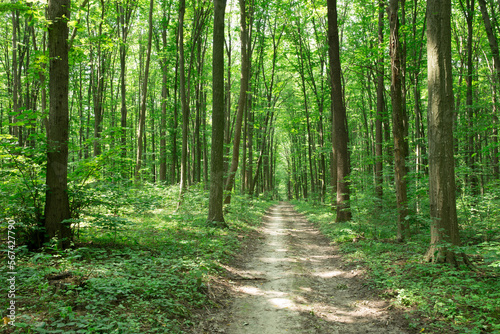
[[290, 279]]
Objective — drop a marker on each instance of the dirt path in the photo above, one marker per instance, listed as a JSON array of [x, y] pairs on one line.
[[293, 282]]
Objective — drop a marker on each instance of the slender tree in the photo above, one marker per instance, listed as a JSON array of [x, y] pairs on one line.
[[493, 42], [339, 125], [125, 10], [57, 202], [215, 214], [444, 226], [184, 103], [399, 127], [242, 100], [380, 105], [144, 92]]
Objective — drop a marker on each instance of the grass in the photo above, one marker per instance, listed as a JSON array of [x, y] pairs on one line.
[[437, 298], [137, 266]]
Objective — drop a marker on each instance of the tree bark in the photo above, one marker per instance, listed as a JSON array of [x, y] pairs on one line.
[[124, 15], [215, 214], [339, 118], [242, 100], [444, 226], [380, 107], [184, 103], [142, 115], [496, 64], [399, 123], [57, 203]]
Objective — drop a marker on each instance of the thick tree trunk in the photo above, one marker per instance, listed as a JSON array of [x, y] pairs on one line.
[[339, 118], [57, 203], [215, 214], [444, 226]]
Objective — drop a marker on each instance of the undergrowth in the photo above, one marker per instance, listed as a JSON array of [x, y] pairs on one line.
[[437, 298], [138, 265]]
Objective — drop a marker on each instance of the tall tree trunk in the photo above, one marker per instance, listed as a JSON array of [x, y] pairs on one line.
[[124, 14], [184, 102], [16, 129], [471, 153], [242, 100], [174, 170], [399, 123], [57, 203], [339, 118], [99, 82], [142, 116], [420, 148], [380, 107], [496, 64], [164, 95], [444, 226], [215, 214]]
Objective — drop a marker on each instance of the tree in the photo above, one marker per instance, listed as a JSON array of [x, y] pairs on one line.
[[125, 10], [380, 106], [341, 136], [57, 201], [215, 214], [444, 226], [242, 101], [184, 100], [493, 42], [400, 123], [142, 115]]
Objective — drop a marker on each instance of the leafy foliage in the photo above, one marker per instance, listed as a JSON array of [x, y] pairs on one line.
[[138, 266]]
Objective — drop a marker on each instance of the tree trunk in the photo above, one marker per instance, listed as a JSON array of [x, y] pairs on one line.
[[124, 15], [471, 153], [242, 100], [164, 95], [215, 214], [57, 203], [399, 124], [444, 226], [142, 116], [339, 118], [184, 103], [16, 132], [496, 64], [380, 107]]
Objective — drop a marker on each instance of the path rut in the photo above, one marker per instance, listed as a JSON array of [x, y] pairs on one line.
[[295, 282]]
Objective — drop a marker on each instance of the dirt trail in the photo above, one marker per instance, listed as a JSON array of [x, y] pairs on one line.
[[293, 282]]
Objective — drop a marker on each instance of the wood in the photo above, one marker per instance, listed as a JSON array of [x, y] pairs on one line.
[[215, 213], [444, 226], [339, 125], [57, 202], [400, 123]]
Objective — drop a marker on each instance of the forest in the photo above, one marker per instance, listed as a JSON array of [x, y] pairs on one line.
[[142, 143]]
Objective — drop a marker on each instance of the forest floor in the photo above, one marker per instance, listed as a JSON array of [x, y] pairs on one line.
[[290, 279]]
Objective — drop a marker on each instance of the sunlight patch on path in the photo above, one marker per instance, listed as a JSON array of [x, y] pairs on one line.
[[301, 287]]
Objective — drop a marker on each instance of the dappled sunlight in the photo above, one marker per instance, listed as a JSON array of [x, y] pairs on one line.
[[329, 274], [294, 283]]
